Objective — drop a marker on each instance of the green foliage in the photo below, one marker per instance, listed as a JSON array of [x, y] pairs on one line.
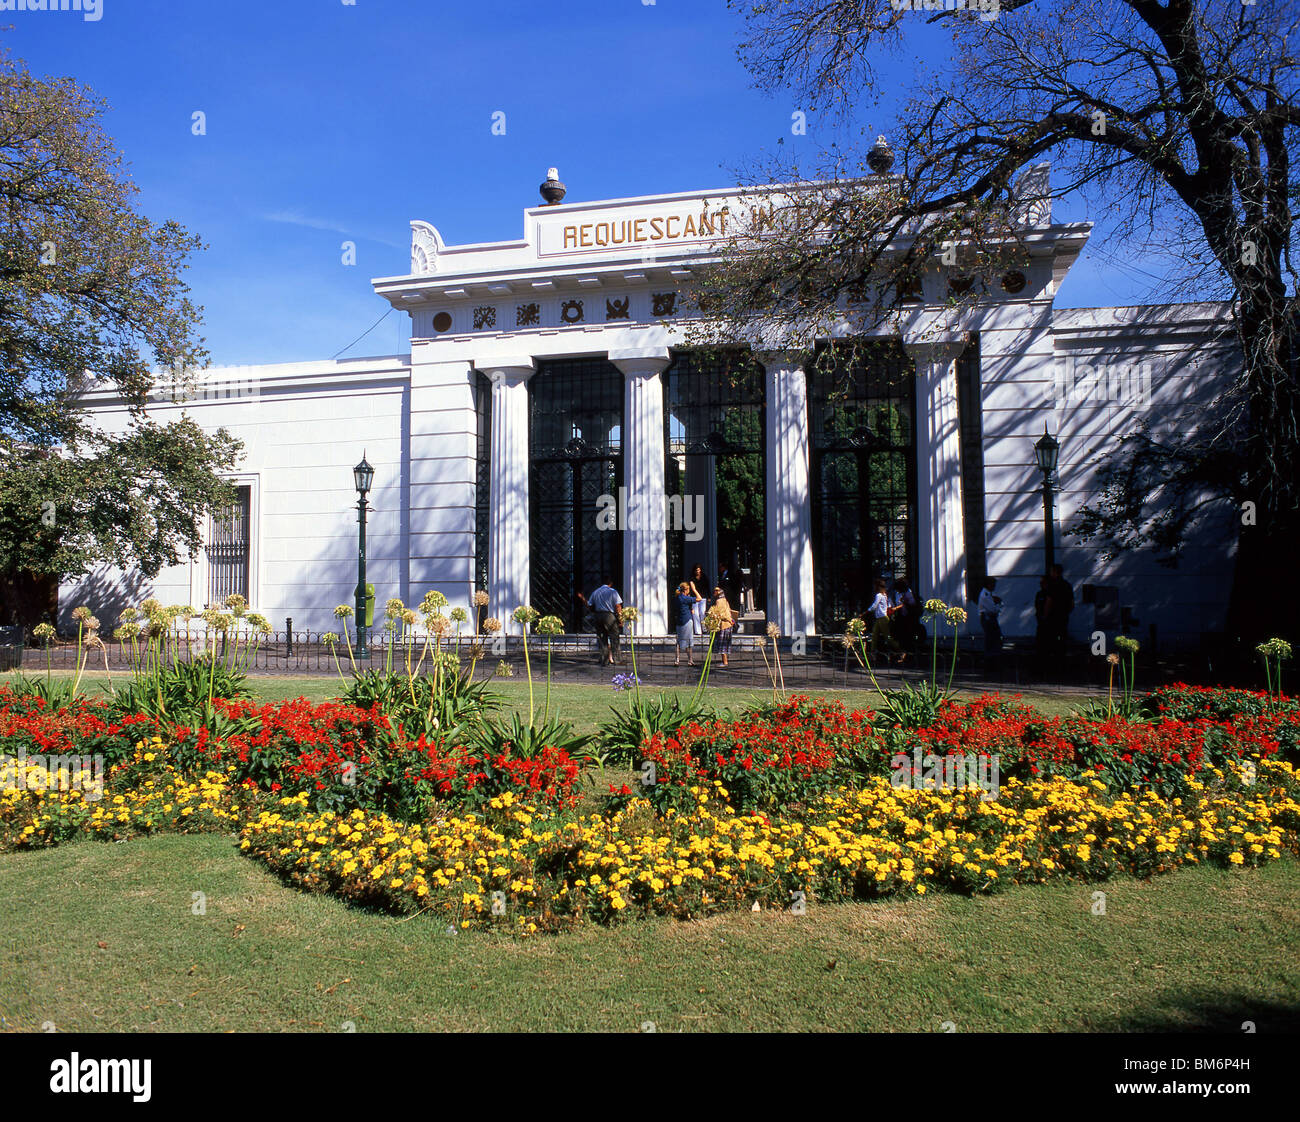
[[621, 736], [1098, 709], [913, 707], [57, 693], [423, 706], [90, 297], [522, 740], [180, 693]]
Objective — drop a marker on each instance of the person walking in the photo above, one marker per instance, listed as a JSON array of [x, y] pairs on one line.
[[686, 601], [1042, 601], [1060, 603], [990, 608], [880, 612], [698, 586], [607, 606], [729, 622], [906, 623]]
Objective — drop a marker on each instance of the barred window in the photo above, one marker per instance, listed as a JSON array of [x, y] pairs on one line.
[[228, 549]]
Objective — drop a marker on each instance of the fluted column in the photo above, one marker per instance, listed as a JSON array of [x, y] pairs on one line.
[[645, 539], [509, 578], [941, 534], [789, 518]]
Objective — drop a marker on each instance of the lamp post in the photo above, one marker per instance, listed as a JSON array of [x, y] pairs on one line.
[[363, 475], [1046, 451]]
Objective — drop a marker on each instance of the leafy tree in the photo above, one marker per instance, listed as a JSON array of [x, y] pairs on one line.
[[90, 298], [1179, 120]]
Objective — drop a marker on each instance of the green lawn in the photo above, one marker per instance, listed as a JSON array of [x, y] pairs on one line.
[[585, 705], [100, 937]]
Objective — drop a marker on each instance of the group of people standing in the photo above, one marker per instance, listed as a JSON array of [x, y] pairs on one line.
[[894, 616], [1053, 605], [694, 601], [895, 619]]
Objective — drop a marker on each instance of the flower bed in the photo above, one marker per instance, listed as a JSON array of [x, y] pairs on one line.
[[1181, 702], [1123, 754], [530, 869], [343, 756], [789, 755], [28, 726], [778, 756], [143, 794], [791, 803]]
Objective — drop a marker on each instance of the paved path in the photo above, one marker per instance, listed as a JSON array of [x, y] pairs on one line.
[[574, 660]]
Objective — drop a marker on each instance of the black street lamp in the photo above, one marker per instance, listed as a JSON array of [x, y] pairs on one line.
[[1046, 451], [363, 475]]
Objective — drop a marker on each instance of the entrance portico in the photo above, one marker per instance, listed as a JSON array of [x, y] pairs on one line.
[[603, 283]]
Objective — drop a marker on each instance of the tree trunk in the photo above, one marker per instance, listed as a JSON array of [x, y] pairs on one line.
[[1265, 598], [27, 599]]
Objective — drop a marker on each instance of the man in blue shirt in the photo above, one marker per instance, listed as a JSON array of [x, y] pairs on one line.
[[607, 606]]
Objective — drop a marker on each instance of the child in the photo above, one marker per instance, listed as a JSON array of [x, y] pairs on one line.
[[723, 640]]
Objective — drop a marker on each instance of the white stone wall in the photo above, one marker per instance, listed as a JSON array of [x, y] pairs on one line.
[[1114, 367], [304, 426]]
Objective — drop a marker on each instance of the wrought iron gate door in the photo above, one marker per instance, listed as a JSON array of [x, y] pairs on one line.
[[576, 428], [863, 464], [715, 439]]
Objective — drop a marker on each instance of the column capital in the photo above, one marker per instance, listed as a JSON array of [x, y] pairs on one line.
[[641, 362], [934, 349], [786, 358], [510, 371]]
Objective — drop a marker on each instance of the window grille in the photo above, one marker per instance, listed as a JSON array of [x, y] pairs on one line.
[[228, 550]]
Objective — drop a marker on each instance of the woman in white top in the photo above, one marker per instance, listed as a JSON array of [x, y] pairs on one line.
[[880, 612]]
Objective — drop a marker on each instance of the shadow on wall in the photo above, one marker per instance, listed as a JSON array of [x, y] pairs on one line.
[[105, 590], [1185, 602]]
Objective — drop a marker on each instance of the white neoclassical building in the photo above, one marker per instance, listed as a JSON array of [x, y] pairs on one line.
[[552, 426]]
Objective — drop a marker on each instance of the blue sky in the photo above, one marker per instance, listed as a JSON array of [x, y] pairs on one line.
[[329, 121]]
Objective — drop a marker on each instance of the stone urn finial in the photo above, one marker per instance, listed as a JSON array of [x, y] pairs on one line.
[[881, 157], [552, 190]]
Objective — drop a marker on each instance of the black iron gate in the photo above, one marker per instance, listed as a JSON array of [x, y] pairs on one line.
[[576, 472], [862, 426], [715, 440]]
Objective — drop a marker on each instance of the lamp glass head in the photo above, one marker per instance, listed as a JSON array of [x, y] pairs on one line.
[[363, 475], [1046, 451]]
